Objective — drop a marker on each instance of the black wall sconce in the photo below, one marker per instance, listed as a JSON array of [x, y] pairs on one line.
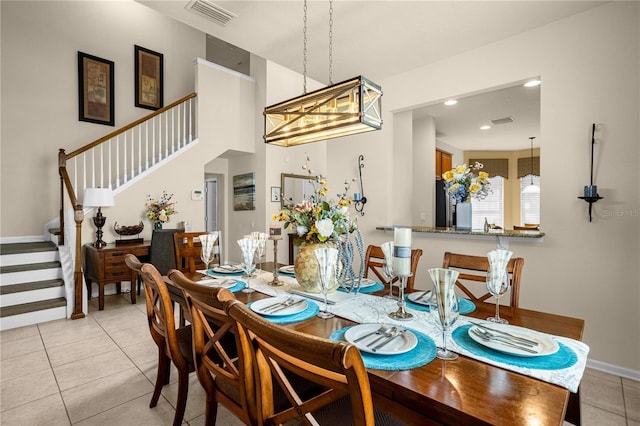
[[591, 190], [359, 199]]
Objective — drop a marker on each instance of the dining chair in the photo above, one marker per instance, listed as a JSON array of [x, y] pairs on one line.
[[374, 261], [187, 248], [174, 343], [474, 269], [225, 377], [343, 395]]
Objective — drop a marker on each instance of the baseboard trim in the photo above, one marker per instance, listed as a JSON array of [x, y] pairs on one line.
[[614, 369]]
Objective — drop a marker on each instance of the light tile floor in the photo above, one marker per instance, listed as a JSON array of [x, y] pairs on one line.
[[100, 371]]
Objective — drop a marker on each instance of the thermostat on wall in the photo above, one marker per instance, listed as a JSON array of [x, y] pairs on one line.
[[197, 195]]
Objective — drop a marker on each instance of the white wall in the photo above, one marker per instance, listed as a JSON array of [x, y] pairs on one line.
[[589, 64], [40, 41]]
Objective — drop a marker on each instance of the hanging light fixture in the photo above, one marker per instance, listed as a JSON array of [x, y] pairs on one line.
[[342, 109], [532, 188]]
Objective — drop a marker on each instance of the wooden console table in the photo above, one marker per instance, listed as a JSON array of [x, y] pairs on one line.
[[106, 266]]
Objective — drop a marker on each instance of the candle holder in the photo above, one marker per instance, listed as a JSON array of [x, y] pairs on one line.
[[276, 281], [401, 314]]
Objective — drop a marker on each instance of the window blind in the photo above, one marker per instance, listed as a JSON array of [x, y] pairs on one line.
[[529, 203], [491, 207]]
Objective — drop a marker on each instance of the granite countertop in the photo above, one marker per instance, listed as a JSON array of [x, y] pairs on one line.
[[454, 231]]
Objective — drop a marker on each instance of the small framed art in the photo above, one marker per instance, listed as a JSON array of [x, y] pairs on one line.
[[149, 78], [275, 194], [95, 89]]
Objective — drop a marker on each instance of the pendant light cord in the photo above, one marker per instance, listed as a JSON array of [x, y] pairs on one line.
[[330, 42], [531, 158], [304, 49]]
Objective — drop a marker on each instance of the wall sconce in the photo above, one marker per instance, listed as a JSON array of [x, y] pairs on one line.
[[98, 197], [591, 190], [359, 198]]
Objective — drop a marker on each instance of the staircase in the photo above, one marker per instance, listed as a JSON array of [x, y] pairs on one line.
[[31, 286]]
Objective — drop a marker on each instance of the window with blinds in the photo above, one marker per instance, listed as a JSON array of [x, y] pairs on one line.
[[529, 203], [491, 207]]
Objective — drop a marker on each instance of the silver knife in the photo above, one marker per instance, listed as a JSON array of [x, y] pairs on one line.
[[389, 339], [285, 307], [530, 342]]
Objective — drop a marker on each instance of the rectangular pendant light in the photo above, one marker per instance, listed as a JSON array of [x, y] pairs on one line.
[[346, 108]]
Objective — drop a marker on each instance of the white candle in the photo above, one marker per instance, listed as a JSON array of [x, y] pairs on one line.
[[402, 251]]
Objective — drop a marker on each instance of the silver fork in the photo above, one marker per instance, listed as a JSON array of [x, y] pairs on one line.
[[399, 332], [277, 305], [383, 328], [388, 333], [503, 342]]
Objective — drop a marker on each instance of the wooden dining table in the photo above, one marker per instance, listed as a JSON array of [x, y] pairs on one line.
[[465, 391]]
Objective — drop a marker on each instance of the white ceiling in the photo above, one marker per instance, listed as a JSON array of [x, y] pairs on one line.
[[379, 39]]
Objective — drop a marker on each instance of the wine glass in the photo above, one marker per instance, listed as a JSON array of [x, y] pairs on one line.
[[443, 306], [248, 248], [497, 285], [208, 242], [327, 258], [261, 249], [387, 267]]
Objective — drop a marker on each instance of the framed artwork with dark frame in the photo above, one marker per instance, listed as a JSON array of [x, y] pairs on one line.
[[95, 89], [149, 78], [244, 192]]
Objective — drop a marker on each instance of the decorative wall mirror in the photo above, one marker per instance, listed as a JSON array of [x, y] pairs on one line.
[[295, 188]]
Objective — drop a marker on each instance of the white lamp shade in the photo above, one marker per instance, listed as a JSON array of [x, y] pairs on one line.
[[98, 197], [531, 189]]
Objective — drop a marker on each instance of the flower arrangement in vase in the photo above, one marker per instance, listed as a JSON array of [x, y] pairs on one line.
[[463, 182], [318, 220], [160, 211]]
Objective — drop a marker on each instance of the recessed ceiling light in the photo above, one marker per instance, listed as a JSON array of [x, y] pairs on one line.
[[450, 102], [532, 83], [485, 127]]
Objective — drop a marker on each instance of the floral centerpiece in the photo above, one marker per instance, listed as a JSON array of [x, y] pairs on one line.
[[160, 211], [462, 183], [318, 220]]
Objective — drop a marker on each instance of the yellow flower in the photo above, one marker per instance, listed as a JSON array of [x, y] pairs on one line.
[[447, 176], [322, 181], [325, 188], [461, 169], [474, 187]]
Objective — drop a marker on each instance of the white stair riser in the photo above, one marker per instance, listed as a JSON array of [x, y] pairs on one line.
[[31, 296], [30, 276], [28, 258], [15, 321]]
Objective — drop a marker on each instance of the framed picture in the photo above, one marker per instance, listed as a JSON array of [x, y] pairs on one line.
[[95, 89], [244, 192], [149, 78], [275, 194]]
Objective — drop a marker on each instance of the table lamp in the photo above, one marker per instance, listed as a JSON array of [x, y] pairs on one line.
[[98, 197]]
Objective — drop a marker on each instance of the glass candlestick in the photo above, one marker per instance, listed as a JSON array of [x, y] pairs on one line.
[[402, 314]]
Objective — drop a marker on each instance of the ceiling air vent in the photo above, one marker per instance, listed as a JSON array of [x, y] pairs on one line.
[[212, 11], [504, 120]]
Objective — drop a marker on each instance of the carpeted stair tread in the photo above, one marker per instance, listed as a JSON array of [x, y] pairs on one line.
[[34, 247], [36, 285], [29, 267], [32, 307]]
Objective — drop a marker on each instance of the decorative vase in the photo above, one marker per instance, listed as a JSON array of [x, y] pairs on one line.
[[463, 215], [157, 225], [306, 268]]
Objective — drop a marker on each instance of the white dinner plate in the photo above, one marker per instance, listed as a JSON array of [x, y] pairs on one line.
[[546, 345], [217, 282], [365, 282], [398, 345], [416, 297], [262, 306], [227, 269], [287, 269]]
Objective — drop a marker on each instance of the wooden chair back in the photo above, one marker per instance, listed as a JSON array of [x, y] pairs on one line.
[[474, 269], [174, 343], [279, 352], [187, 248], [374, 261], [226, 377], [526, 227]]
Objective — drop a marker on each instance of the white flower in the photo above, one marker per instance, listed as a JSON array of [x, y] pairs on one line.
[[325, 227], [301, 230]]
